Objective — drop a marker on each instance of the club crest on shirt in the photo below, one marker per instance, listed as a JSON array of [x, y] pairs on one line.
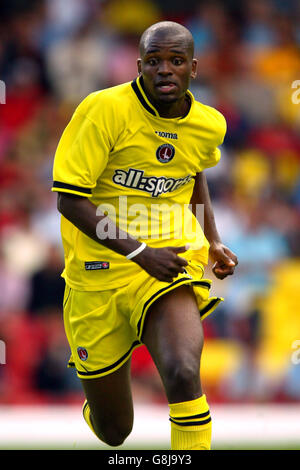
[[165, 153], [82, 353]]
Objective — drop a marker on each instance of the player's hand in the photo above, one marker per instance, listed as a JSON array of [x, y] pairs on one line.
[[224, 260], [162, 263]]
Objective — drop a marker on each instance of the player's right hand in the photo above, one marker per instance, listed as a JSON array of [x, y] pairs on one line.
[[162, 263]]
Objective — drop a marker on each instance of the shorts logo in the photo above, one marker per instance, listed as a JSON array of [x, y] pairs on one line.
[[82, 353], [165, 153]]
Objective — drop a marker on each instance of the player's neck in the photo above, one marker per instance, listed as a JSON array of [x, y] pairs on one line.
[[179, 108]]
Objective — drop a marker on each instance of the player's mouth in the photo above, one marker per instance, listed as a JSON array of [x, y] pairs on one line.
[[166, 86]]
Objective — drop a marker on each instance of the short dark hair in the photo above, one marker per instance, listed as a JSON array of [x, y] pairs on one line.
[[167, 28]]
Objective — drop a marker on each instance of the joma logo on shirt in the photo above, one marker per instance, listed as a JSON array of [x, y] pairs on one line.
[[166, 135], [154, 185]]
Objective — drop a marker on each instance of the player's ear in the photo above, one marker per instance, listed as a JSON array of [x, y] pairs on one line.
[[139, 66], [194, 68]]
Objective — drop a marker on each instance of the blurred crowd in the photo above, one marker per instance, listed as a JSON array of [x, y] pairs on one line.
[[55, 52]]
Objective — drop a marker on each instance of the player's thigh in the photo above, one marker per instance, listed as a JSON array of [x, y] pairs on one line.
[[110, 399], [173, 334]]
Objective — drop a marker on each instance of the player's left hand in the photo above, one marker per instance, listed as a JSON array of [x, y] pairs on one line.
[[224, 260]]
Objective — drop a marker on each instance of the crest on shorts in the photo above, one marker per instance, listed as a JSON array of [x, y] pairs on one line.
[[165, 153], [82, 353]]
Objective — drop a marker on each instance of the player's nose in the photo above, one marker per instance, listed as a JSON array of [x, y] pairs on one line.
[[164, 68]]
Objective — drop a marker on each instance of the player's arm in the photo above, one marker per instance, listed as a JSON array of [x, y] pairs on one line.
[[161, 263], [224, 260]]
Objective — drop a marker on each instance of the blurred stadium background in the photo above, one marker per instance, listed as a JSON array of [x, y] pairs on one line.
[[52, 54]]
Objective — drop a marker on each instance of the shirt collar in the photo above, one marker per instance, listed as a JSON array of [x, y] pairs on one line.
[[138, 88]]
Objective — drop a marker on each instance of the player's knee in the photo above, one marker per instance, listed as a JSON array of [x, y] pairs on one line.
[[113, 433], [116, 435], [183, 379]]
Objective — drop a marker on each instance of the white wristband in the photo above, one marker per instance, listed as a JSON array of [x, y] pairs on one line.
[[137, 251]]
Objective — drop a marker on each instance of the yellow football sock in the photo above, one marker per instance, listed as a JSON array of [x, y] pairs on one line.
[[190, 425], [87, 415]]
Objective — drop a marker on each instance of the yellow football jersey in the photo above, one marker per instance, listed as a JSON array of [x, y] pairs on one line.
[[138, 169]]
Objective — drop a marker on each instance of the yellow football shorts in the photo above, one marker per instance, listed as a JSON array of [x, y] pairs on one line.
[[104, 327]]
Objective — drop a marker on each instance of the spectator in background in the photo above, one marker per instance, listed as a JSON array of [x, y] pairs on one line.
[[14, 291], [77, 65], [47, 286], [259, 247]]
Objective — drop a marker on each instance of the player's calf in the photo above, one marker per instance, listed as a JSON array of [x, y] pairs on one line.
[[108, 409]]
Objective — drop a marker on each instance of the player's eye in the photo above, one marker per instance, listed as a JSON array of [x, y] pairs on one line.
[[152, 61], [177, 61]]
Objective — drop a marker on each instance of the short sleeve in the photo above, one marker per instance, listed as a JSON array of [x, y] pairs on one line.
[[211, 153], [213, 157], [81, 156]]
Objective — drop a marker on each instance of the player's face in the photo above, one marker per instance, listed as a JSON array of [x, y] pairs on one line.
[[167, 67]]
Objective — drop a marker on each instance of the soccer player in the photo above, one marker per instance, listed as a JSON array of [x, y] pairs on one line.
[[130, 156]]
